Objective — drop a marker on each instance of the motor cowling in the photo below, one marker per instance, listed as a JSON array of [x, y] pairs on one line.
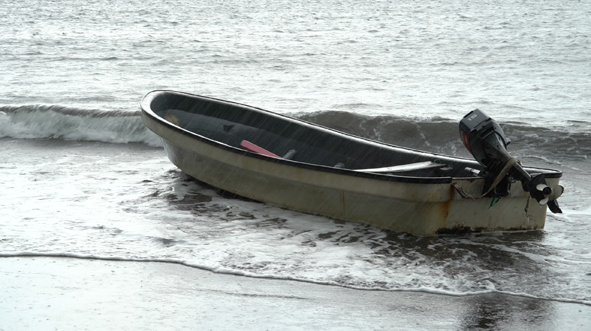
[[485, 140]]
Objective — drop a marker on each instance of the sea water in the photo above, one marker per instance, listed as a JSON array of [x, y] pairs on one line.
[[81, 176]]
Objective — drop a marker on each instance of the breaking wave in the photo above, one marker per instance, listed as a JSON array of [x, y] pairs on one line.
[[58, 122], [439, 135]]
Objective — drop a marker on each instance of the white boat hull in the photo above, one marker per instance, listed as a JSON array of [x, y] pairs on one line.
[[421, 209]]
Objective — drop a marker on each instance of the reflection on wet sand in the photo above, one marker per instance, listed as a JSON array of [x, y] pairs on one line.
[[499, 312]]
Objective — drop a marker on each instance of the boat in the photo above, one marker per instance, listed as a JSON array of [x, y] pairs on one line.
[[283, 161]]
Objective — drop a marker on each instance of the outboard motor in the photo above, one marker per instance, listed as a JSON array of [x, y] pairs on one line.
[[487, 142]]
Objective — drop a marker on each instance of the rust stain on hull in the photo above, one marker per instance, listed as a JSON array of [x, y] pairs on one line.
[[467, 229], [445, 207]]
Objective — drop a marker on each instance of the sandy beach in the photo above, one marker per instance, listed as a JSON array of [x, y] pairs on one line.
[[44, 293]]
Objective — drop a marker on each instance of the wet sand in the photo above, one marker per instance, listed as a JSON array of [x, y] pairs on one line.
[[43, 293]]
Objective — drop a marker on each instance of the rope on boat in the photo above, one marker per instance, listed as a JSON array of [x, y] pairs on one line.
[[496, 182]]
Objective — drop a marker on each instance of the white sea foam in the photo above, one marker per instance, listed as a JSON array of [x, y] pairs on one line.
[[121, 203]]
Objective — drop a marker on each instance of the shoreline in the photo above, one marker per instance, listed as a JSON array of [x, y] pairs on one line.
[[67, 293], [237, 274]]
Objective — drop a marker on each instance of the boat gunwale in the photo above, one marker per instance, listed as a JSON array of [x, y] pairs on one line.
[[146, 109]]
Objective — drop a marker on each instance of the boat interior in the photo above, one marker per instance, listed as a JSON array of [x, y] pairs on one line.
[[268, 133]]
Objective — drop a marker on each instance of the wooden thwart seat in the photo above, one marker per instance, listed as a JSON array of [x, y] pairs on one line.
[[404, 167], [426, 165]]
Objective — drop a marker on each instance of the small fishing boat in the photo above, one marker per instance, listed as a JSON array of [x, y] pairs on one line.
[[306, 167]]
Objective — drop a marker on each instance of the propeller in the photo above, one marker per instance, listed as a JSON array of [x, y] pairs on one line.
[[544, 194], [550, 193]]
